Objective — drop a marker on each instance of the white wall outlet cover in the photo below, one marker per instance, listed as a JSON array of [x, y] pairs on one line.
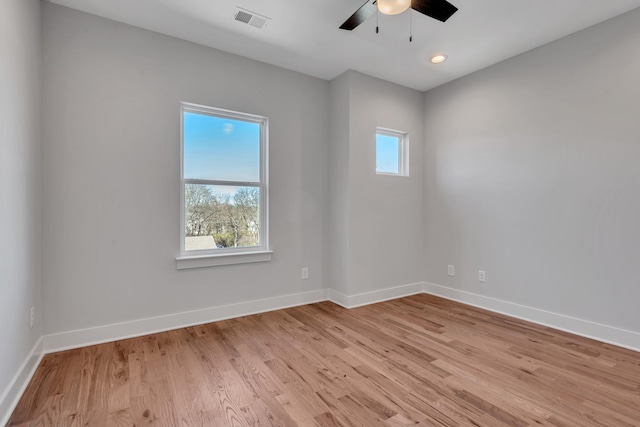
[[482, 276]]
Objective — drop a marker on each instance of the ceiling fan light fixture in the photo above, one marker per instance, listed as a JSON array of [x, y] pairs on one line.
[[438, 58], [393, 7]]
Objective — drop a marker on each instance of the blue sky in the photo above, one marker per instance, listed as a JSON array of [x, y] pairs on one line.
[[386, 153], [219, 148]]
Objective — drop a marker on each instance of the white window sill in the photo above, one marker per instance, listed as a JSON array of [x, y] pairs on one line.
[[200, 261], [391, 174]]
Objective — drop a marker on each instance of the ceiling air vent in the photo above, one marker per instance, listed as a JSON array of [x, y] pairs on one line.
[[251, 18]]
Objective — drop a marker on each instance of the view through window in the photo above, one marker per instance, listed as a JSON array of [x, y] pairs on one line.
[[223, 180], [392, 152]]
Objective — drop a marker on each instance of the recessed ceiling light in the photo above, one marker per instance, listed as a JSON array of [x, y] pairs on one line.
[[438, 59]]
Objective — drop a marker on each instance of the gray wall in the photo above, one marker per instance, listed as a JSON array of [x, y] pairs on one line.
[[531, 173], [385, 215], [528, 173], [337, 246], [377, 223], [111, 171], [20, 183]]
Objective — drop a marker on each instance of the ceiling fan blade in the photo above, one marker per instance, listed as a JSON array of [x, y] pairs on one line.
[[361, 15], [436, 9]]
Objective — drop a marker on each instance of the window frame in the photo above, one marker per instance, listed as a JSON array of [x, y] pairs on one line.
[[403, 150], [189, 259]]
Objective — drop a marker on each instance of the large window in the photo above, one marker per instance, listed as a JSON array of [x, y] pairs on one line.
[[392, 152], [224, 182]]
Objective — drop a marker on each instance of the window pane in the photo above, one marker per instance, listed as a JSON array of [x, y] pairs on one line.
[[221, 149], [221, 216], [387, 153]]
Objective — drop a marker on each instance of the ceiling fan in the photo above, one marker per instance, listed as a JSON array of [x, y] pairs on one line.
[[436, 9]]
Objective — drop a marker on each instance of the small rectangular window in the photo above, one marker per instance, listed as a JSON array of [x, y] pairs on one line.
[[392, 152], [224, 181]]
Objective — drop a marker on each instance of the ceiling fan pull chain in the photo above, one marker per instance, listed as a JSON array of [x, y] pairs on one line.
[[377, 21], [410, 25]]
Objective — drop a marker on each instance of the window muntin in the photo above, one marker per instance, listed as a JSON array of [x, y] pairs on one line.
[[224, 181], [392, 152]]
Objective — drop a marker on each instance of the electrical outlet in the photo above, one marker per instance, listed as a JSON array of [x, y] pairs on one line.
[[451, 270], [32, 317], [305, 273], [482, 276]]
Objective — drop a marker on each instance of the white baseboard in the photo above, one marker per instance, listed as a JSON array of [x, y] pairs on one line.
[[585, 328], [83, 337], [101, 334], [366, 298], [18, 384]]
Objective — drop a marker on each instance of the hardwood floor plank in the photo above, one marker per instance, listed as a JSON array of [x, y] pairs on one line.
[[327, 420], [419, 360]]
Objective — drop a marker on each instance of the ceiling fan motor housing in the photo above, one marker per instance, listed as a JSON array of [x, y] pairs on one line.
[[393, 7]]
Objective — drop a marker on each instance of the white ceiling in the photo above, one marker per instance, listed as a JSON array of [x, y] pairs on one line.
[[304, 36]]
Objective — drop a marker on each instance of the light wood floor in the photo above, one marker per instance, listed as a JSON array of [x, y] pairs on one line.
[[418, 360]]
